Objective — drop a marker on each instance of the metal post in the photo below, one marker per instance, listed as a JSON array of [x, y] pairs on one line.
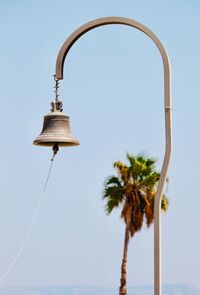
[[168, 128]]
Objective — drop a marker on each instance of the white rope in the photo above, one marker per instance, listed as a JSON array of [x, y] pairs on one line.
[[25, 240]]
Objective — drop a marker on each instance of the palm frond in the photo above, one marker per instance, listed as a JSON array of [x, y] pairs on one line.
[[114, 193], [111, 204], [150, 180], [164, 203], [112, 180]]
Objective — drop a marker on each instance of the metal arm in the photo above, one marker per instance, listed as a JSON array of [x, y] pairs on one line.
[[167, 104]]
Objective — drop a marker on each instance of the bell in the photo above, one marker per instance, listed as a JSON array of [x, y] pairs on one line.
[[56, 129]]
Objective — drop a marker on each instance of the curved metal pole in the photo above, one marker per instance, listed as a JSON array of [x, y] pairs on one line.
[[167, 104]]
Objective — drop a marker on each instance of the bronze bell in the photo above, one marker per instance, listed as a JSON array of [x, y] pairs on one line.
[[56, 129]]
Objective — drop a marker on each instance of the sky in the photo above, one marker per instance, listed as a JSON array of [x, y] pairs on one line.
[[113, 92]]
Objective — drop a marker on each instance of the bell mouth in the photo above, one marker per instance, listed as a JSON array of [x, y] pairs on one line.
[[60, 143]]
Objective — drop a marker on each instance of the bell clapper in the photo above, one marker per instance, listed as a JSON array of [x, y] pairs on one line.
[[55, 150]]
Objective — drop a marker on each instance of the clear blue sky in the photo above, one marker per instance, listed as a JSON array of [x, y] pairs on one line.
[[113, 91]]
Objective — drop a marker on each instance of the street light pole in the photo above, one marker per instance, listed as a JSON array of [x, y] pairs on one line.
[[168, 128]]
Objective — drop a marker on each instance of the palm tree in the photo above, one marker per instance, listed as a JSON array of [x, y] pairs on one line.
[[133, 189]]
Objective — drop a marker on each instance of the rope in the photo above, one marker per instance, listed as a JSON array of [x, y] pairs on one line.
[[28, 233], [48, 175]]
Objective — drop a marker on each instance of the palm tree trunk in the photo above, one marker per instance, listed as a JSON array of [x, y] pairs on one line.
[[122, 289]]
